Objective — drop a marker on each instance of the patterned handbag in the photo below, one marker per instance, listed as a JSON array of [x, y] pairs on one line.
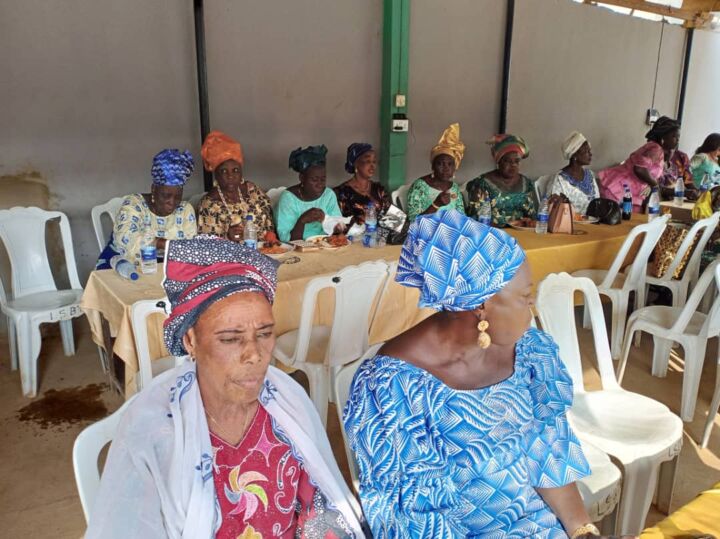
[[666, 249]]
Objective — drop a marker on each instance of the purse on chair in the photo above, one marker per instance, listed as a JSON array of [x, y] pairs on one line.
[[560, 220]]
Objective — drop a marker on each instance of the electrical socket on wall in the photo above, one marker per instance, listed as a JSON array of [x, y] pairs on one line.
[[652, 116]]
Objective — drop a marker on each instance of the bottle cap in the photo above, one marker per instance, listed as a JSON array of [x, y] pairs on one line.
[[134, 276]]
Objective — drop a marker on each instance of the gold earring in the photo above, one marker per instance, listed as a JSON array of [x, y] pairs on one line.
[[484, 340]]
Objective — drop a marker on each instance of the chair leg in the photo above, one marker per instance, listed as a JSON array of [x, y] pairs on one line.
[[626, 350], [319, 382], [28, 337], [12, 341], [103, 359], [666, 484], [661, 356], [639, 480], [694, 359], [619, 315], [714, 406], [68, 339], [608, 525], [587, 324]]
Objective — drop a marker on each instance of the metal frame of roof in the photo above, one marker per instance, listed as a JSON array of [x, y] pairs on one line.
[[695, 13]]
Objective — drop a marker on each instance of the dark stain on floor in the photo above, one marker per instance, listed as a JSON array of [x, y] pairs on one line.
[[59, 408]]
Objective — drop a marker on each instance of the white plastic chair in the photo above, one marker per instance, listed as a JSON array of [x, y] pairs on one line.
[[541, 186], [679, 287], [600, 491], [86, 450], [715, 403], [111, 207], [34, 298], [148, 367], [316, 350], [195, 200], [618, 286], [399, 196], [341, 393], [641, 433], [683, 325], [274, 195]]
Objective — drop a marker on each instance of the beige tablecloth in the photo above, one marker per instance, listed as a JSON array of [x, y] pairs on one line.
[[108, 295]]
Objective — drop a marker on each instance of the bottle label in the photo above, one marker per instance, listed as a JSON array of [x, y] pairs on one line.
[[484, 219], [251, 243], [543, 217], [370, 227], [148, 253], [653, 210], [627, 206], [679, 194]]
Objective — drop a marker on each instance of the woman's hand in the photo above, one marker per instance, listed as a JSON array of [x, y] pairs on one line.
[[443, 199], [235, 233], [312, 215], [339, 228]]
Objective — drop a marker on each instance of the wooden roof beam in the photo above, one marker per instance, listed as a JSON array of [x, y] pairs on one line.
[[693, 18]]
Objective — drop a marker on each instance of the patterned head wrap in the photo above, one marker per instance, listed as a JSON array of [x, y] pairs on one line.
[[218, 148], [662, 127], [354, 151], [206, 269], [302, 159], [572, 144], [449, 144], [501, 145], [172, 167], [456, 262]]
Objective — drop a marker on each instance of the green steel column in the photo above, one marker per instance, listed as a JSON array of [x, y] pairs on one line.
[[393, 145]]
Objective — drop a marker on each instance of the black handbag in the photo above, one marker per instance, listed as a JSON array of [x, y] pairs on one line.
[[606, 210]]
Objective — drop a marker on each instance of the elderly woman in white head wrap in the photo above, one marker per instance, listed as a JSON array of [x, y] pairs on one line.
[[574, 180]]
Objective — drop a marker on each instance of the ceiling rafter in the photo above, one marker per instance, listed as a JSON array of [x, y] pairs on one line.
[[695, 13]]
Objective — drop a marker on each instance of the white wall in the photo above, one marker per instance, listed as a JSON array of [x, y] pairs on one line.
[[90, 91], [456, 55], [287, 74], [581, 67], [702, 111]]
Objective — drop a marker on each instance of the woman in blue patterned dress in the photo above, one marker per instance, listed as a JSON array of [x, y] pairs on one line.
[[459, 424]]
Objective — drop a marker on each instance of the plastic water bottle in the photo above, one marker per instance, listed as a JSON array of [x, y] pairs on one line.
[[485, 215], [148, 254], [541, 225], [250, 233], [654, 204], [679, 192], [627, 203], [370, 238], [124, 269]]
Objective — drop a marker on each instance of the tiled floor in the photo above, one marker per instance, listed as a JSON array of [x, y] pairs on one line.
[[37, 489]]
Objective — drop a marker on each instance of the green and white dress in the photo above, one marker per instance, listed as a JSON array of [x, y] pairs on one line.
[[421, 196], [506, 206], [290, 208]]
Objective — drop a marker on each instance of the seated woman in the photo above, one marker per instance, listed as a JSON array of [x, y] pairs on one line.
[[223, 210], [303, 207], [511, 194], [575, 181], [437, 190], [459, 424], [224, 445], [644, 168], [355, 194], [161, 213], [705, 161]]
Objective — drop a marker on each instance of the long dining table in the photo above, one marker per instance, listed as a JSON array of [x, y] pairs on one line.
[[108, 298]]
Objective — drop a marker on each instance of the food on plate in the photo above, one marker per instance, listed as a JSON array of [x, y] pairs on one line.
[[339, 240], [273, 249], [524, 222], [271, 238], [580, 217]]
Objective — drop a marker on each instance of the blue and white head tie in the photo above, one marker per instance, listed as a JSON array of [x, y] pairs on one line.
[[172, 167], [456, 262]]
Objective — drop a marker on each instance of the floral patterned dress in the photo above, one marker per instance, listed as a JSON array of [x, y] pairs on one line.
[[506, 206], [421, 195], [214, 218], [264, 491], [353, 204]]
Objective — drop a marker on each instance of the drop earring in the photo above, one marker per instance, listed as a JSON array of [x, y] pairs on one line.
[[484, 339]]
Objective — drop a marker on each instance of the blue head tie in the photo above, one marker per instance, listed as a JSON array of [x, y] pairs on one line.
[[172, 167]]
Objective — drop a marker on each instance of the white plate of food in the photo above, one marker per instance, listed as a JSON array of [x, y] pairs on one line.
[[276, 249], [585, 219], [523, 224], [331, 243]]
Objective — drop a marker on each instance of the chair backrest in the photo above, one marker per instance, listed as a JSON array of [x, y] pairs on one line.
[[141, 311], [692, 268], [274, 195], [22, 230], [195, 200], [711, 327], [111, 207], [399, 196], [356, 289], [341, 392], [556, 309], [635, 277], [86, 450], [541, 186]]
